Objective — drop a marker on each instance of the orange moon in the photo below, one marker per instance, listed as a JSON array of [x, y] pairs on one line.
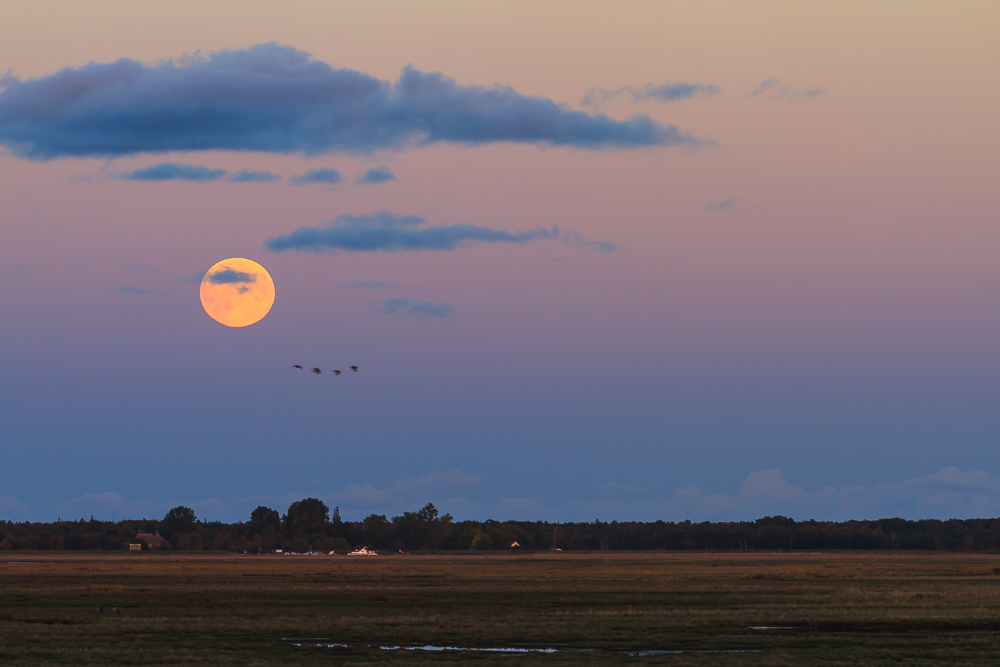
[[237, 292]]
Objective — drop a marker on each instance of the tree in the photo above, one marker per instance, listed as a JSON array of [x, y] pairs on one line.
[[308, 515], [374, 528], [427, 513], [180, 519], [263, 518]]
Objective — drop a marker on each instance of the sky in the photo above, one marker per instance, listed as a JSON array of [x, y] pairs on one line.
[[633, 261]]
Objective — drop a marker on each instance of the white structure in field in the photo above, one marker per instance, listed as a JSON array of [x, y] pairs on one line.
[[363, 551]]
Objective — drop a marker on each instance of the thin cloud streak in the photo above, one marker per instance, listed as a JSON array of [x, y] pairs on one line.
[[128, 289], [775, 89], [664, 92], [420, 310], [328, 176], [253, 176], [277, 99], [174, 171], [388, 232], [370, 284]]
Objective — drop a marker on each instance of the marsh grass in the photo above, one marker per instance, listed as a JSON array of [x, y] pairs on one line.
[[186, 609]]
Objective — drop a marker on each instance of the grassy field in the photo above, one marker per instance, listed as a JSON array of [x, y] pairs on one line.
[[704, 608]]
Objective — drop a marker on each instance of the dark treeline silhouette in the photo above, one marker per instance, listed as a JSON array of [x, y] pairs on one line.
[[308, 525]]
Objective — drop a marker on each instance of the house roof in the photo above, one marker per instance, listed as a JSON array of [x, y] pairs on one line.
[[152, 540]]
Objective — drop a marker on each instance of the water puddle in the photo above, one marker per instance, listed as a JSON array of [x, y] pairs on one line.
[[509, 649]]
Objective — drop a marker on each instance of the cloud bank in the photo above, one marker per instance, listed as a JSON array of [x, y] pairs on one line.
[[275, 98], [665, 92], [420, 310], [389, 232], [949, 493], [174, 171]]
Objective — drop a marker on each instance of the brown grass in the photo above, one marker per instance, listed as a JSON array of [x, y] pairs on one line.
[[842, 608]]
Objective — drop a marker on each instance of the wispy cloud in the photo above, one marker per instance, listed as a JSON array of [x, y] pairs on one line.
[[174, 171], [370, 284], [721, 205], [134, 266], [329, 176], [574, 240], [253, 176], [420, 310], [377, 174], [127, 289], [275, 98], [775, 89], [670, 91], [389, 232], [194, 280]]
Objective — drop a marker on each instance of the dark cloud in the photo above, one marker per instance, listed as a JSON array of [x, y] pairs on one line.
[[378, 174], [390, 232], [418, 309], [665, 92], [721, 205], [370, 284], [173, 171], [126, 289], [252, 176], [275, 98], [317, 176], [775, 89], [228, 276]]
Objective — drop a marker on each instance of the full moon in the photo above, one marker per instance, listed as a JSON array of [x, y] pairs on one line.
[[237, 292]]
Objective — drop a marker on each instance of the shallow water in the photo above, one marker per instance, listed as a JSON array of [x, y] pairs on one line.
[[512, 648]]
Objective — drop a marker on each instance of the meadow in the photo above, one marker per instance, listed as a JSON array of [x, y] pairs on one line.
[[546, 608]]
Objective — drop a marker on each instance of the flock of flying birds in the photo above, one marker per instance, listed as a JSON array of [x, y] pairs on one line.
[[317, 371]]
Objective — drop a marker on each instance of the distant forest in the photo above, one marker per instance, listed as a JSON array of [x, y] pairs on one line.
[[308, 525]]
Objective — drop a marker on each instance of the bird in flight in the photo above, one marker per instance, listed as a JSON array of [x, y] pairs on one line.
[[354, 368], [316, 371], [336, 372], [299, 366]]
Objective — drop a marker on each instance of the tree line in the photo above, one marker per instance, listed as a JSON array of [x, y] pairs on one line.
[[309, 525]]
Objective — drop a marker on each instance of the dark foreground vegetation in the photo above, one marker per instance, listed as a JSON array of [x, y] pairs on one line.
[[308, 525], [680, 608]]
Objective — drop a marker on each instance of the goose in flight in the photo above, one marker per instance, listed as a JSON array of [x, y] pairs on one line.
[[316, 371], [354, 368], [336, 372], [299, 366]]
